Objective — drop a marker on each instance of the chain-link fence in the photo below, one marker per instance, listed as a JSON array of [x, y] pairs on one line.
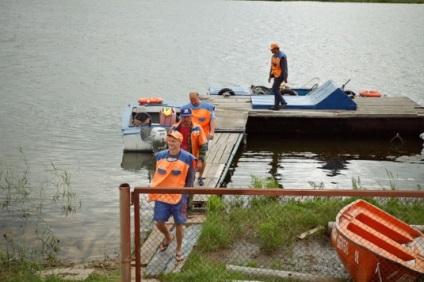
[[285, 235]]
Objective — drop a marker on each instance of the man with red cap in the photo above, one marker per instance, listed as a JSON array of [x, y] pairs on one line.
[[278, 71], [174, 169]]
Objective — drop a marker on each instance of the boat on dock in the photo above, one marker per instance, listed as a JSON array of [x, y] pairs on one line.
[[326, 96], [151, 137], [375, 246]]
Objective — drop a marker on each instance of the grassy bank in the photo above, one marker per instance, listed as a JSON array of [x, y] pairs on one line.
[[271, 223]]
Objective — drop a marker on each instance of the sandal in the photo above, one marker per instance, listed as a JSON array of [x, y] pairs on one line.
[[179, 256], [163, 246]]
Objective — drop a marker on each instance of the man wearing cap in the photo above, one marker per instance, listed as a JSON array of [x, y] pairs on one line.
[[194, 142], [279, 71], [194, 139], [204, 115], [174, 169]]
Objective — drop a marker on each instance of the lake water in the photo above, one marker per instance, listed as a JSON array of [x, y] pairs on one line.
[[68, 68]]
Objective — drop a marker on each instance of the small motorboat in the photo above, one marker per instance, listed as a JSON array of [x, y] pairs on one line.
[[375, 246], [149, 137]]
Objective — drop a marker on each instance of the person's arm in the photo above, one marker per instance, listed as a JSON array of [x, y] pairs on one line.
[[191, 175], [212, 130], [284, 69]]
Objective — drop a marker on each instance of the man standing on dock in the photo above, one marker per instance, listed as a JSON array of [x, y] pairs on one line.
[[278, 71], [174, 168], [194, 141], [203, 114]]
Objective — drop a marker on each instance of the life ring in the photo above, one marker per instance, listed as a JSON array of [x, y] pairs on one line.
[[150, 100], [369, 93]]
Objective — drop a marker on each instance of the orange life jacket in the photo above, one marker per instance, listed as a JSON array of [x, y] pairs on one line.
[[170, 174], [276, 66], [202, 115], [197, 137]]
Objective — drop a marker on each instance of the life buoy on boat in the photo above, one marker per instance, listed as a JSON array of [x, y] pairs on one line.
[[150, 100], [369, 93]]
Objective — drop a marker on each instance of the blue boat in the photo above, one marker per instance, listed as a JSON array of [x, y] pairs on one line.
[[327, 96]]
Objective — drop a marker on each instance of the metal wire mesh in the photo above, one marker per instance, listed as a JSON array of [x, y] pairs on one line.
[[274, 237]]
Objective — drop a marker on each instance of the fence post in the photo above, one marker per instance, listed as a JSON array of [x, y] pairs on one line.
[[125, 225]]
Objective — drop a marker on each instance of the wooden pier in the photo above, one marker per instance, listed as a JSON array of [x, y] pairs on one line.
[[381, 117]]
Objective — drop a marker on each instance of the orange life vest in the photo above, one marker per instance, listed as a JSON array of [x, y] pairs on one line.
[[197, 137], [170, 174], [275, 66], [202, 115]]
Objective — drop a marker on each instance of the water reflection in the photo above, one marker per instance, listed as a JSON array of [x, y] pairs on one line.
[[296, 162], [334, 166], [139, 162]]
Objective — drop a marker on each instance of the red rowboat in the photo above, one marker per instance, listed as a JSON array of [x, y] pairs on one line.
[[375, 246]]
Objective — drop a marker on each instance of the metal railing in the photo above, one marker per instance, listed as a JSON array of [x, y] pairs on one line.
[[310, 256]]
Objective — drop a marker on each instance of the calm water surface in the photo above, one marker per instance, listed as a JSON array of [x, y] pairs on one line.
[[68, 68]]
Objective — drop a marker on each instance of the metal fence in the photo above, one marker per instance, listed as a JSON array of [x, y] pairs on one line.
[[279, 235]]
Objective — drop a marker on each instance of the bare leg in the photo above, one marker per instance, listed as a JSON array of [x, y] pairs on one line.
[[180, 234], [165, 231], [202, 169]]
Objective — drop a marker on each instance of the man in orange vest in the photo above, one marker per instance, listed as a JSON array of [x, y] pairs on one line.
[[204, 115], [194, 141], [174, 169], [279, 71]]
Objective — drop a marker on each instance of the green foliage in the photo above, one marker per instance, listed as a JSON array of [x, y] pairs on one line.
[[200, 268], [217, 232]]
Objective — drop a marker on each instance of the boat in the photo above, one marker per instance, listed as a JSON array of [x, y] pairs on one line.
[[375, 246], [150, 137], [263, 90], [326, 96]]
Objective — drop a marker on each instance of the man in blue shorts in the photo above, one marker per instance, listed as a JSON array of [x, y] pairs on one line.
[[174, 168]]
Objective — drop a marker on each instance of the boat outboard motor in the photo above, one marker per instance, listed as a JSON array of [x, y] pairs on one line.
[[158, 138]]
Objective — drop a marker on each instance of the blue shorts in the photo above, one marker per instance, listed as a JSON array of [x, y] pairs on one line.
[[162, 211]]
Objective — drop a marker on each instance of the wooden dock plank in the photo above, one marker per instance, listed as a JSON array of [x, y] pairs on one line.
[[150, 246], [192, 233], [164, 262]]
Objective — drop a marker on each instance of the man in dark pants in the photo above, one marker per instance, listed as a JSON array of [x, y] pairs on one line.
[[278, 71]]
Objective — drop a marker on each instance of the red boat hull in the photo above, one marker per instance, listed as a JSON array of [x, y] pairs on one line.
[[375, 246]]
